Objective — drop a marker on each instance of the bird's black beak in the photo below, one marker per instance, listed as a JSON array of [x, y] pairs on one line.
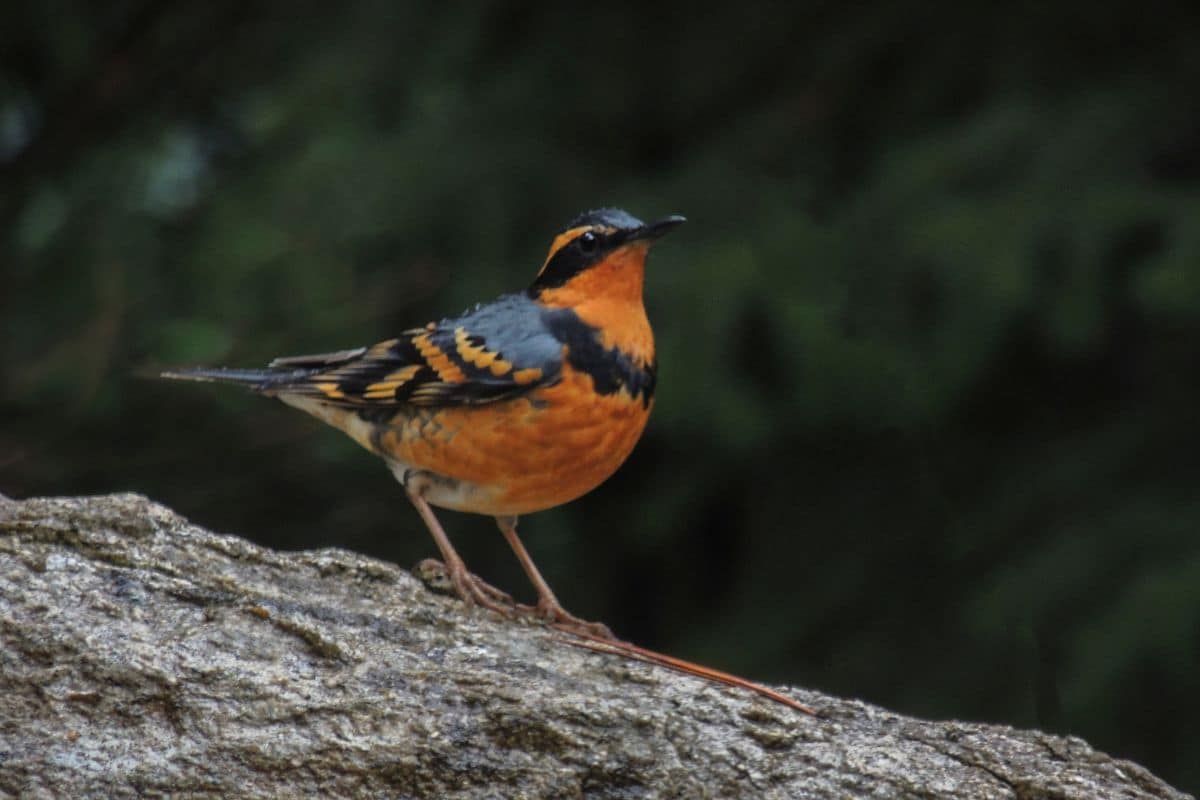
[[657, 229]]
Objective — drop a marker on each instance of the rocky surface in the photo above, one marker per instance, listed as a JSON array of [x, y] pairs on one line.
[[142, 655]]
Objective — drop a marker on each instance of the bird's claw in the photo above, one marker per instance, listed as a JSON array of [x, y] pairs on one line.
[[560, 618], [467, 585]]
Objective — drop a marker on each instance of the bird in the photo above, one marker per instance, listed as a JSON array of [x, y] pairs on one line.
[[514, 406]]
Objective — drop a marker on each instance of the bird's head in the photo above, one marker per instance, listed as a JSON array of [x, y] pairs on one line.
[[600, 254]]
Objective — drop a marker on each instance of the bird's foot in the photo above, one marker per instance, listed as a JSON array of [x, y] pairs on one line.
[[474, 589], [560, 618], [464, 583]]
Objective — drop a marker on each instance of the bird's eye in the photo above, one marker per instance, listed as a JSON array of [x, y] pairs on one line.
[[588, 242]]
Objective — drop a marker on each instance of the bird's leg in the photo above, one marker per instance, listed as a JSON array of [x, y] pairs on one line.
[[547, 606], [469, 587]]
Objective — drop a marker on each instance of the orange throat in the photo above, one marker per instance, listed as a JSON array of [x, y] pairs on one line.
[[608, 297]]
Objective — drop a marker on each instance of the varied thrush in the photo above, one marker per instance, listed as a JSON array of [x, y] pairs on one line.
[[514, 406]]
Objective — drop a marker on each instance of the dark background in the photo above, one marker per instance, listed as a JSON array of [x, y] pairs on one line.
[[927, 428]]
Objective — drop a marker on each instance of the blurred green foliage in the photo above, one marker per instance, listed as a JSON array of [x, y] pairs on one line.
[[927, 431]]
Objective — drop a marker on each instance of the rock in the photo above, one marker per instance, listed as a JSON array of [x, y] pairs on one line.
[[142, 655]]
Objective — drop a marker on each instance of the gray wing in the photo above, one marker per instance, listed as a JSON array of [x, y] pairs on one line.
[[492, 352]]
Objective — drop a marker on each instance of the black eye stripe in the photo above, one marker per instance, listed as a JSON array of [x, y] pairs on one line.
[[583, 251]]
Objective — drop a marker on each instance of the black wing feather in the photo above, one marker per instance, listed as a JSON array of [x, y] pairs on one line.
[[491, 353]]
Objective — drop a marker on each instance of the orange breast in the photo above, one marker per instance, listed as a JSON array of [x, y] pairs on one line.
[[521, 455]]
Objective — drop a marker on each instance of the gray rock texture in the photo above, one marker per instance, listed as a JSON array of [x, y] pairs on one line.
[[141, 655]]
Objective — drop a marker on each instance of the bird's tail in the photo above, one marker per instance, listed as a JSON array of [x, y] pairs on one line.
[[258, 379]]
